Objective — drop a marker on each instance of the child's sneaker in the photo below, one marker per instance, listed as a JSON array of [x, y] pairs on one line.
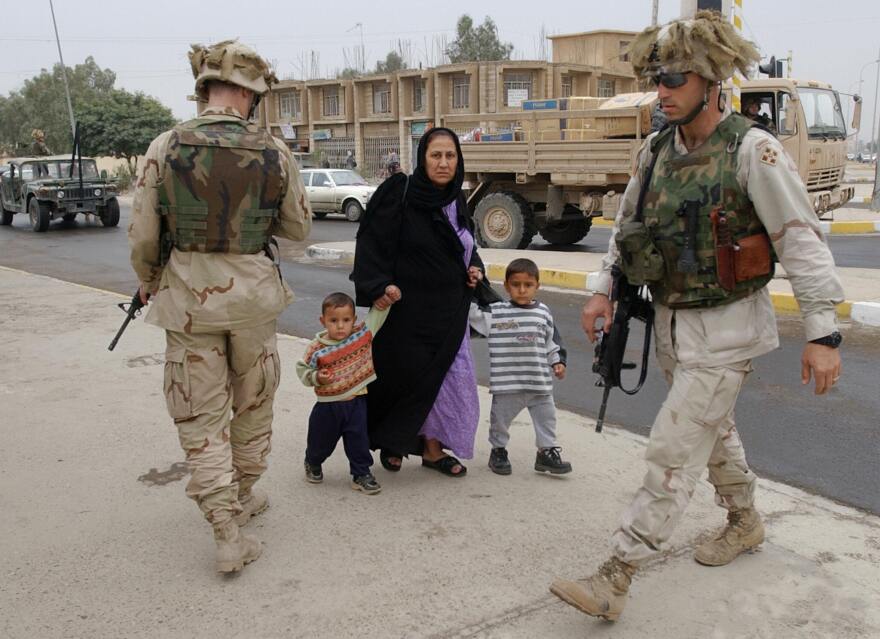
[[314, 474], [548, 460], [366, 484], [498, 462]]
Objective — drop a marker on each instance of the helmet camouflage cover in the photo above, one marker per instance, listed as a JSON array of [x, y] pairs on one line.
[[706, 44], [232, 62]]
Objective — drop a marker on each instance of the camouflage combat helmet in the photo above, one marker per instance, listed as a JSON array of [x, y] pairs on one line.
[[232, 62], [706, 44], [38, 134]]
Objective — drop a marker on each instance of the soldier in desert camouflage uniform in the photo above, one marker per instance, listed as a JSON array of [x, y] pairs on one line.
[[39, 148], [713, 313], [210, 194]]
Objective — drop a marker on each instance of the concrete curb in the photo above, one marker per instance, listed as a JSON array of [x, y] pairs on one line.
[[863, 312]]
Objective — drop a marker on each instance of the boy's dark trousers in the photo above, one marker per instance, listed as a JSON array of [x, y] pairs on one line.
[[347, 419]]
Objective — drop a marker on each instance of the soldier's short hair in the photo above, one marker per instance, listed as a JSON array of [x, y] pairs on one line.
[[336, 300], [522, 265]]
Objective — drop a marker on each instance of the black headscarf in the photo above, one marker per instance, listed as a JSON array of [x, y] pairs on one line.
[[421, 192]]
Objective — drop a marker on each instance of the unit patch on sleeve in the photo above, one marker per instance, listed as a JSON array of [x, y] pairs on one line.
[[770, 156]]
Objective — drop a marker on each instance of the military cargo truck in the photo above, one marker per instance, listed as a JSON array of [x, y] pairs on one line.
[[561, 167], [48, 188]]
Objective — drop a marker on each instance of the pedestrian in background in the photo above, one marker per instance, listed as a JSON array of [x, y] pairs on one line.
[[417, 234], [713, 312], [213, 191], [350, 163]]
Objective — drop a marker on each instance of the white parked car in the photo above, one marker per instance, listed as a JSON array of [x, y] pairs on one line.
[[337, 191], [865, 156]]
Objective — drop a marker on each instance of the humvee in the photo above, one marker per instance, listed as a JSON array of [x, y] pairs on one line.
[[48, 188]]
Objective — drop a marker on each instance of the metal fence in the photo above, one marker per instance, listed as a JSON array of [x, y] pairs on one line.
[[377, 152], [334, 151]]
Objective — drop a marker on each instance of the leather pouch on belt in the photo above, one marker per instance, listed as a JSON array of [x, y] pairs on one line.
[[724, 249], [752, 257]]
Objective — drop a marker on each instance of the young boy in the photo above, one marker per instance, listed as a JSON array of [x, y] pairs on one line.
[[524, 353], [339, 364]]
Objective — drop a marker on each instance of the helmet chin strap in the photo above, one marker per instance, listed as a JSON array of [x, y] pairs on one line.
[[702, 106], [253, 110]]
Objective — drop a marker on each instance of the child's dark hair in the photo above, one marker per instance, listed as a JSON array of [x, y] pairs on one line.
[[522, 265], [336, 300]]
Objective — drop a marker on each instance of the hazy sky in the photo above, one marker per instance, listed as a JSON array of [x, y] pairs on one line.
[[146, 43]]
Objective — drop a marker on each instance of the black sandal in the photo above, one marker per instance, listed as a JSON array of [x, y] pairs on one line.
[[384, 456], [445, 465]]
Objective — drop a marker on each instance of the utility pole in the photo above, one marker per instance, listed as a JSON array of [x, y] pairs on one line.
[[63, 74], [875, 201], [654, 13]]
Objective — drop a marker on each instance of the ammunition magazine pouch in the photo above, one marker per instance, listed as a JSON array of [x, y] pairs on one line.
[[640, 260]]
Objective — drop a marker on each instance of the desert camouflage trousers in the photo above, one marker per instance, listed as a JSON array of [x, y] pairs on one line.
[[694, 429], [220, 388]]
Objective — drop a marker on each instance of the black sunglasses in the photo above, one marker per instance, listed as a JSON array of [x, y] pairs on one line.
[[669, 80]]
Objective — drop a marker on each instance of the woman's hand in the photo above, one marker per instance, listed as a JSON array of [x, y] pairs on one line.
[[559, 370], [475, 276]]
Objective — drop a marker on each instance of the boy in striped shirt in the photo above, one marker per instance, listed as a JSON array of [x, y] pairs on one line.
[[525, 353], [339, 364]]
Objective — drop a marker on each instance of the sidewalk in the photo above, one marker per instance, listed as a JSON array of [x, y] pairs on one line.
[[572, 271], [98, 540]]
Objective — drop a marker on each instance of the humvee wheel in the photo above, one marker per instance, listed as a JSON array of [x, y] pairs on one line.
[[567, 231], [504, 221], [110, 216], [7, 218], [40, 215]]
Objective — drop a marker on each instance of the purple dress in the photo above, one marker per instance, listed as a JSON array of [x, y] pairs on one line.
[[456, 413]]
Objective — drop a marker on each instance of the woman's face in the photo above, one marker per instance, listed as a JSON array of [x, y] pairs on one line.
[[441, 160]]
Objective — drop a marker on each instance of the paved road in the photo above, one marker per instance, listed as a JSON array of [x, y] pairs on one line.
[[829, 445]]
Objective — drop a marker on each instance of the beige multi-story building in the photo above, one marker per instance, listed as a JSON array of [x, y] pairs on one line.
[[376, 115]]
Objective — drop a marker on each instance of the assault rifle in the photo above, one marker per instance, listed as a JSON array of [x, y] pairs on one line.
[[632, 302], [132, 309]]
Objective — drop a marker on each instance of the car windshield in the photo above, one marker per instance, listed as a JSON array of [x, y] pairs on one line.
[[348, 178], [62, 169], [822, 110]]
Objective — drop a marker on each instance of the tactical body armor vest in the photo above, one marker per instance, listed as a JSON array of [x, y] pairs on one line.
[[704, 180], [223, 186]]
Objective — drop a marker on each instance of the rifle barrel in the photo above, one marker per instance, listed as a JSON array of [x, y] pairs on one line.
[[600, 420]]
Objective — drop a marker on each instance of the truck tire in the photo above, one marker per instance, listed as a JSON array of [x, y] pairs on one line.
[[504, 220], [110, 216], [40, 215], [353, 211], [567, 231], [7, 218]]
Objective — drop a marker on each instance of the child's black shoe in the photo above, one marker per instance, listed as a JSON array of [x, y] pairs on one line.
[[548, 460], [498, 462], [314, 474], [366, 484]]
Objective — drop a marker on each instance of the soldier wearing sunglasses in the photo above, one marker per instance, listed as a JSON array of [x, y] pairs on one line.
[[713, 204]]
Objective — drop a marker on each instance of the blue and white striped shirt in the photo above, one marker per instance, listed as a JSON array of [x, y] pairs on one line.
[[522, 346]]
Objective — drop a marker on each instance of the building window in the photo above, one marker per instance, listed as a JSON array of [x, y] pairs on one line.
[[420, 95], [565, 91], [382, 97], [330, 97], [517, 87], [606, 88], [289, 105], [461, 92], [624, 50]]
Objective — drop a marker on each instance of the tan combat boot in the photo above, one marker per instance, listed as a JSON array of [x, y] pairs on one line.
[[604, 595], [744, 531], [252, 504], [234, 548]]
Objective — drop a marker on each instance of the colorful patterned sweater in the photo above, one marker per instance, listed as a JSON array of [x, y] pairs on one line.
[[349, 360]]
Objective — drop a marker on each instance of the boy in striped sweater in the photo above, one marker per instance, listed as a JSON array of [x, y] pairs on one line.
[[525, 353], [339, 364]]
